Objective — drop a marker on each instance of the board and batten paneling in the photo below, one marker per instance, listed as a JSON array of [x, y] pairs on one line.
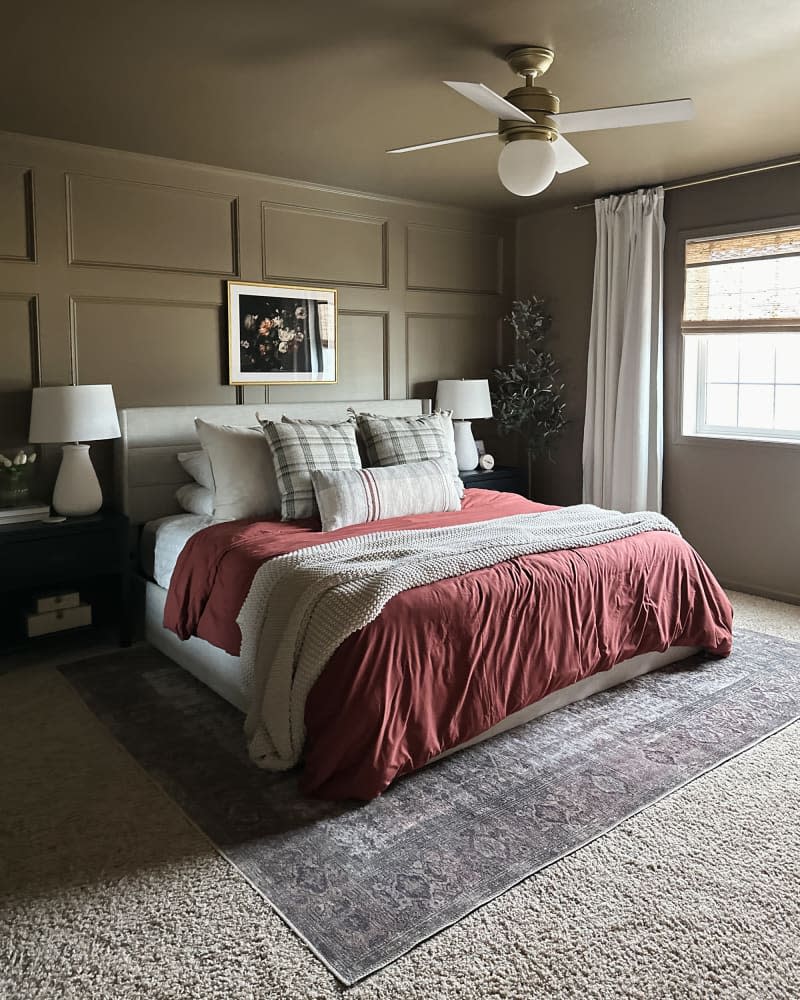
[[178, 344], [448, 347], [453, 260], [19, 364], [116, 223], [314, 245], [16, 213], [132, 255]]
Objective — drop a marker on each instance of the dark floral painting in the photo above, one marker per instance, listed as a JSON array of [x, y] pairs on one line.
[[281, 334]]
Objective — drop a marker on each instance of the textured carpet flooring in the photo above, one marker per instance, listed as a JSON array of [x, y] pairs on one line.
[[364, 883], [108, 891]]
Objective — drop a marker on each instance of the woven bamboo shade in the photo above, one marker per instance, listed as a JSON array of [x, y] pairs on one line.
[[744, 283]]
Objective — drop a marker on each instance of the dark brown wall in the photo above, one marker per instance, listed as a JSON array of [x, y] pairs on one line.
[[737, 502], [555, 259]]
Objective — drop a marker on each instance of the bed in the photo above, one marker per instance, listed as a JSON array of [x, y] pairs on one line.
[[438, 669]]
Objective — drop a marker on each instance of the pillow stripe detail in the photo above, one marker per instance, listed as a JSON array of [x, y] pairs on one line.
[[359, 496]]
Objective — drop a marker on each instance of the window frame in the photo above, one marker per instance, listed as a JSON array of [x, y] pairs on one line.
[[720, 430], [690, 427]]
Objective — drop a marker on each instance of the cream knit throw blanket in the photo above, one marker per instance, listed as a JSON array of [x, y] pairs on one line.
[[302, 606]]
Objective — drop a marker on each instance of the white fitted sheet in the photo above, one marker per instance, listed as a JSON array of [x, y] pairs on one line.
[[163, 540]]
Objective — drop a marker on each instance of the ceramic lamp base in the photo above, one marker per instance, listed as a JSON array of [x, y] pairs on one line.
[[77, 491], [466, 450]]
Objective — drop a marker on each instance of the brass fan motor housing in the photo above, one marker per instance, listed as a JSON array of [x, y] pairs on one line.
[[539, 103]]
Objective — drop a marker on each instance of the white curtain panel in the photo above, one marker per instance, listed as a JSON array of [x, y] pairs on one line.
[[623, 432]]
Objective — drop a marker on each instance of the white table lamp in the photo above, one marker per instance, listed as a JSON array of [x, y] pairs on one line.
[[469, 400], [74, 413]]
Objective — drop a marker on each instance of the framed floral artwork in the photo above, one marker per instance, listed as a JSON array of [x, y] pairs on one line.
[[281, 334]]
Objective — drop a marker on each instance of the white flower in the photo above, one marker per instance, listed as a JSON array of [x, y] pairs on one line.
[[300, 312], [283, 347], [285, 335], [278, 321], [5, 462], [31, 457], [20, 458]]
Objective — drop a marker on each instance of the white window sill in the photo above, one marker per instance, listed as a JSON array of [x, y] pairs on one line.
[[706, 438]]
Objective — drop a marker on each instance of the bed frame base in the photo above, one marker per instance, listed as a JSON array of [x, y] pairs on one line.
[[222, 673]]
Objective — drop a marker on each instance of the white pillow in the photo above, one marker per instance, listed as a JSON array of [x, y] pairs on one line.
[[197, 465], [358, 496], [244, 476], [195, 499]]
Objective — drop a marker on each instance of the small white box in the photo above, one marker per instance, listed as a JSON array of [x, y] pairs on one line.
[[57, 602], [59, 621]]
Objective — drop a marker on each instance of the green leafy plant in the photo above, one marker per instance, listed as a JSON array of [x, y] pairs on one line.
[[526, 394]]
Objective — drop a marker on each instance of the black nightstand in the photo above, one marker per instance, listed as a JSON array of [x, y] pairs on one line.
[[89, 554], [504, 478]]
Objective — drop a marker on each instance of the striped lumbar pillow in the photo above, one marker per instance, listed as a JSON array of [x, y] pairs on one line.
[[298, 447], [357, 496]]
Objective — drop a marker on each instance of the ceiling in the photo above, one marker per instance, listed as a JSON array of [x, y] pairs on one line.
[[318, 90]]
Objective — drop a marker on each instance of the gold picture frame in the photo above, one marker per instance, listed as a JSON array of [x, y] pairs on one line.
[[282, 334]]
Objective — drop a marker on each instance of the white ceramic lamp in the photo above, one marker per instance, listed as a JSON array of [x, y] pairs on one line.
[[74, 413], [469, 400]]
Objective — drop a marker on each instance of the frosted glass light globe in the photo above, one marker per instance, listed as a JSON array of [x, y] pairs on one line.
[[526, 166]]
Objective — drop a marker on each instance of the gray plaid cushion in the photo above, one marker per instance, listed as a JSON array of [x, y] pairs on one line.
[[297, 447], [357, 496], [399, 440]]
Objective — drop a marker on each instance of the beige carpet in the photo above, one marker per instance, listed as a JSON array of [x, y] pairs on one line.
[[108, 892]]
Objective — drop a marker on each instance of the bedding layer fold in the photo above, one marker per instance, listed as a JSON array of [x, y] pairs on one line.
[[302, 606]]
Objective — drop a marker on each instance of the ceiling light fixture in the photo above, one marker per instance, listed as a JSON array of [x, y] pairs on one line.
[[527, 165]]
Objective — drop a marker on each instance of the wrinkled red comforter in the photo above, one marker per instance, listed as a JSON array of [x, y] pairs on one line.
[[447, 661]]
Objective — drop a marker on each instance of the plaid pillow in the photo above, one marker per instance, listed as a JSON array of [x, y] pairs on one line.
[[299, 446], [358, 496], [399, 440]]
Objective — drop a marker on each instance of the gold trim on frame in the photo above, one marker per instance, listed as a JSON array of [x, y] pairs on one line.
[[298, 288]]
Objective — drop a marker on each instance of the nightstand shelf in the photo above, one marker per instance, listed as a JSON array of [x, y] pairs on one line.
[[503, 478], [88, 554]]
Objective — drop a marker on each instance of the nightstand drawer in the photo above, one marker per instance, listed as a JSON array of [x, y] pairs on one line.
[[46, 560]]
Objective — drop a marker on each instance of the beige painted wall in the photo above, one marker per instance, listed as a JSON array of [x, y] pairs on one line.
[[738, 503], [113, 269]]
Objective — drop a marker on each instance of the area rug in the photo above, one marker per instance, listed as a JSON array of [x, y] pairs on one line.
[[362, 884]]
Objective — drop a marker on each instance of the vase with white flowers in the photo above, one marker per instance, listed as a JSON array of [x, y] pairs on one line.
[[16, 476]]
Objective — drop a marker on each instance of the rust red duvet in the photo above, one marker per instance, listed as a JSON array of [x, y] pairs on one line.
[[447, 661]]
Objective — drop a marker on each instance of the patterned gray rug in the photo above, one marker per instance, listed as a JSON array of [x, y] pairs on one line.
[[363, 884]]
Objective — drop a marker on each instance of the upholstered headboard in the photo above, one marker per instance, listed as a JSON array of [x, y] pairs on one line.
[[146, 465]]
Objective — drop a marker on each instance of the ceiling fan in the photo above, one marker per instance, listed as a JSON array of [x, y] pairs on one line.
[[532, 127]]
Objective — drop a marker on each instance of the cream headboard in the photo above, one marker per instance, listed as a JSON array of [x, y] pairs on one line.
[[146, 464]]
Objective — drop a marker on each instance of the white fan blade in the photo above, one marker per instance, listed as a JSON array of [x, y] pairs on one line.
[[442, 142], [657, 113], [486, 98], [567, 156]]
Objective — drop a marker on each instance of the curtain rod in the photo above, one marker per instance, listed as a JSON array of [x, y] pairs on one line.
[[713, 178]]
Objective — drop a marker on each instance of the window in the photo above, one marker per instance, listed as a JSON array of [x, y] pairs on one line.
[[741, 326]]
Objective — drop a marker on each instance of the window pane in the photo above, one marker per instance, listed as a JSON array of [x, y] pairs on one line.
[[723, 359], [755, 405], [721, 405], [756, 358], [788, 358], [787, 408]]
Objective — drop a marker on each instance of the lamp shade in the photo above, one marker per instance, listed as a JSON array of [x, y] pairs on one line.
[[468, 398], [62, 413]]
